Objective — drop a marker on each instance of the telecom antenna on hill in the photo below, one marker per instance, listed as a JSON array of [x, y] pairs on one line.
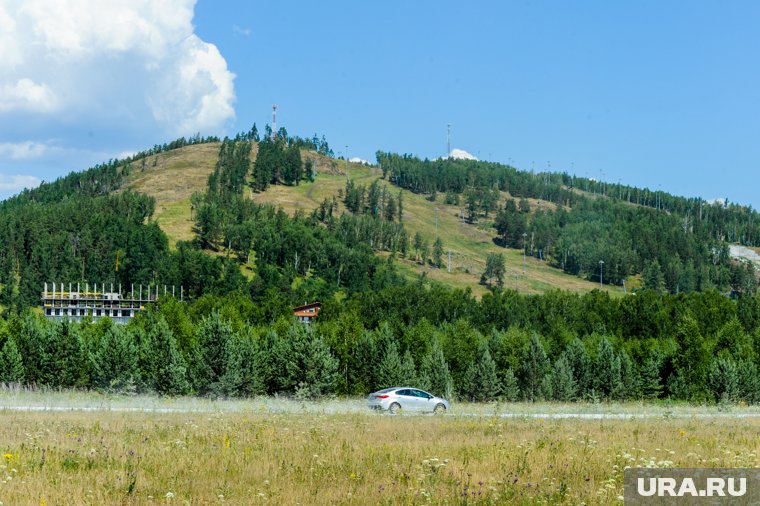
[[448, 140], [274, 121]]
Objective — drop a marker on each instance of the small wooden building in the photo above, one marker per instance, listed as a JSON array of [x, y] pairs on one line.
[[307, 312]]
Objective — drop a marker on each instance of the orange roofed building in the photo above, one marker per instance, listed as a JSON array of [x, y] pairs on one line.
[[307, 312]]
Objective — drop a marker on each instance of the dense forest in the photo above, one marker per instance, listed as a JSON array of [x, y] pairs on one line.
[[701, 347], [234, 335], [676, 244]]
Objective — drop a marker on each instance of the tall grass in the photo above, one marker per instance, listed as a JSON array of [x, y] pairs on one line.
[[257, 455]]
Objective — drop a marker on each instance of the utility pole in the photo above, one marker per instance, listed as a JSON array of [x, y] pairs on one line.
[[347, 178], [274, 121], [601, 268], [448, 140]]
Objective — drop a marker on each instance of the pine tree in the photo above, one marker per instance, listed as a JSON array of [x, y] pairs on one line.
[[630, 380], [408, 370], [114, 360], [312, 369], [70, 357], [749, 383], [564, 387], [167, 362], [510, 389], [390, 370], [723, 379], [213, 340], [580, 363], [438, 252], [651, 380], [480, 380], [692, 361], [435, 375], [11, 364], [535, 365], [607, 381]]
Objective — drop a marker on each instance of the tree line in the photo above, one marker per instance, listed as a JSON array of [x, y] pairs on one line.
[[705, 350]]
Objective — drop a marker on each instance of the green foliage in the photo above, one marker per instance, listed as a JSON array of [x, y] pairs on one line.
[[535, 366], [11, 364], [564, 387], [723, 379], [435, 376], [114, 361], [480, 382], [510, 387], [607, 381]]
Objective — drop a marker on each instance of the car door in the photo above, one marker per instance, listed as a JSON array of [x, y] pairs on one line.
[[407, 399], [423, 400]]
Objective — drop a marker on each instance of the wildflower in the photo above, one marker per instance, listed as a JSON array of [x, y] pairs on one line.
[[8, 457], [169, 494]]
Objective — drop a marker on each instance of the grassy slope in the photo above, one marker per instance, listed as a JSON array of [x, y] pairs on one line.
[[179, 173]]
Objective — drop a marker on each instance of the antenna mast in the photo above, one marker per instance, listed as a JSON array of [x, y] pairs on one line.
[[448, 140], [274, 121]]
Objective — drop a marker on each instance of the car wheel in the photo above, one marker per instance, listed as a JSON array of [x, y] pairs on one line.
[[439, 408], [394, 408]]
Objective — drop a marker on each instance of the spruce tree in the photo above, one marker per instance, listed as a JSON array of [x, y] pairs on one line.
[[480, 381], [390, 369], [510, 389], [114, 360], [723, 379], [213, 339], [630, 381], [564, 387], [167, 362], [11, 364], [408, 370], [651, 380], [749, 383], [535, 366], [435, 375], [312, 369], [580, 363], [607, 381]]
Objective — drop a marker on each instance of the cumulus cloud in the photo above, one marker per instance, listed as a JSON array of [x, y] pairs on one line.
[[356, 159], [14, 183], [131, 62]]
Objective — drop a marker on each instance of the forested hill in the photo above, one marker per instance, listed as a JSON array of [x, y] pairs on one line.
[[676, 244], [225, 232]]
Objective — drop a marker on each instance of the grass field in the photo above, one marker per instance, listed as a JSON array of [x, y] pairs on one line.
[[275, 451]]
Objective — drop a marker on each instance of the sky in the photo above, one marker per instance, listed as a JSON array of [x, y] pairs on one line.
[[664, 95]]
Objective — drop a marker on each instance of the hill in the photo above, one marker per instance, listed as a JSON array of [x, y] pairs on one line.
[[172, 177]]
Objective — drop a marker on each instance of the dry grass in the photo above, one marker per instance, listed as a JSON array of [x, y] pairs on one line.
[[171, 178], [249, 457]]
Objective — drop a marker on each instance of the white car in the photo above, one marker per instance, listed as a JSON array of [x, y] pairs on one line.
[[406, 399]]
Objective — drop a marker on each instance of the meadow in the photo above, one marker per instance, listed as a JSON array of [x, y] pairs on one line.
[[78, 449]]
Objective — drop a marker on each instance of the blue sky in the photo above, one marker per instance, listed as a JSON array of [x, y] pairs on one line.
[[657, 94]]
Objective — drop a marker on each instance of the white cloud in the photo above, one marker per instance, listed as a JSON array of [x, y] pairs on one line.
[[719, 201], [134, 63], [14, 183], [461, 154], [23, 150], [26, 95], [356, 159]]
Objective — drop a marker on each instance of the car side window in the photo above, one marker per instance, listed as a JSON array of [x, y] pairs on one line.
[[421, 394], [403, 392]]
